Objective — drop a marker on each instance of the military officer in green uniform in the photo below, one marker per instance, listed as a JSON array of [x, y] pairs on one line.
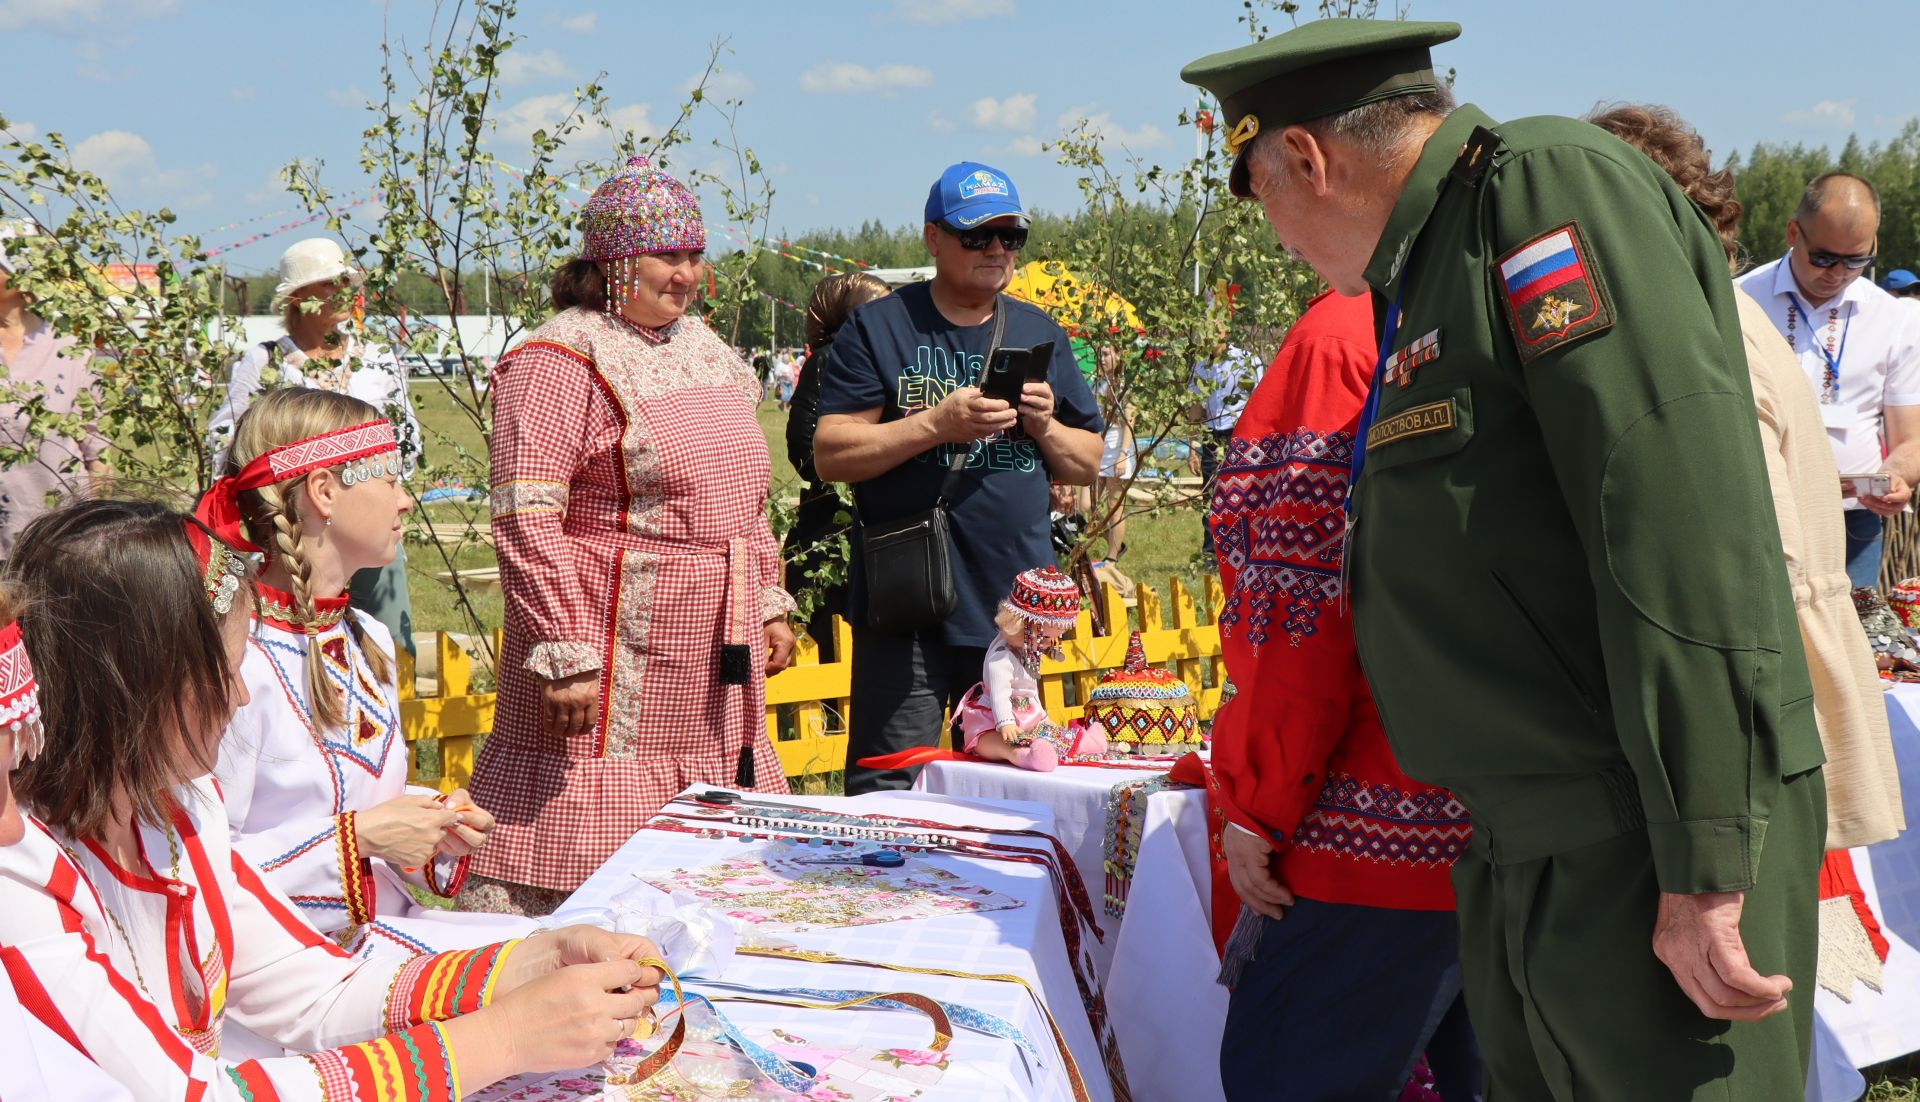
[[1567, 584]]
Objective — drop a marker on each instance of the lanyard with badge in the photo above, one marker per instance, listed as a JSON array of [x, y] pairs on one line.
[[1830, 354], [1368, 413]]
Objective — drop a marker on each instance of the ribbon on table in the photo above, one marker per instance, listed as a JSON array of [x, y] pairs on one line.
[[1072, 1066]]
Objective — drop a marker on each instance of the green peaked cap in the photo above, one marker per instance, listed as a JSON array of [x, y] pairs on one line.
[[1319, 69]]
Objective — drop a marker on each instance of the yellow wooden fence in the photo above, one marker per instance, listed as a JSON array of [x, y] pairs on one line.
[[807, 705]]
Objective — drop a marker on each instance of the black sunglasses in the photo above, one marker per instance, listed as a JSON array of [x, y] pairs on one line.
[[1012, 238], [1821, 258]]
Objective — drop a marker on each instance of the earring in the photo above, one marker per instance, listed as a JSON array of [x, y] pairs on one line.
[[329, 523]]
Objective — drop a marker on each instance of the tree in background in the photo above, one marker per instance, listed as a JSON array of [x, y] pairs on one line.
[[1769, 181]]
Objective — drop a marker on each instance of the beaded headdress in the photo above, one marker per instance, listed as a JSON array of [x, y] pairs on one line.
[[639, 210], [362, 450], [1044, 596], [19, 695]]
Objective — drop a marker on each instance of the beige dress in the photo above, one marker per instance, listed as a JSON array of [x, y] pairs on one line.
[[1863, 785]]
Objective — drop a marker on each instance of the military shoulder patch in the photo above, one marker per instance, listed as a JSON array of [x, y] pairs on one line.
[[1551, 294]]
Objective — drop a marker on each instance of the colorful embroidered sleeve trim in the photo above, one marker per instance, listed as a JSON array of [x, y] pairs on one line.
[[356, 872], [412, 1065], [528, 495], [445, 985]]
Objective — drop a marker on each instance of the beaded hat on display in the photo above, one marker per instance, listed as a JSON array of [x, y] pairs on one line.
[[1145, 709], [19, 695], [639, 210], [1044, 596]]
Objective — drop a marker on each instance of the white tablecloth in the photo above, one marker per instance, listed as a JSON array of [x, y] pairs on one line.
[[1158, 962], [1024, 941], [1880, 1026]]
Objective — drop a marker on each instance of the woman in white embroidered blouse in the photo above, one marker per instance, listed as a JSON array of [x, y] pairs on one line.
[[313, 766], [140, 933]]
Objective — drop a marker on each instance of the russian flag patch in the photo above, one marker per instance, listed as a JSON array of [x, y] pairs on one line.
[[1551, 295]]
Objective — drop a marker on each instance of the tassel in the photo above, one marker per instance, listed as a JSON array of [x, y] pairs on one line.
[[743, 772], [736, 664], [1243, 946]]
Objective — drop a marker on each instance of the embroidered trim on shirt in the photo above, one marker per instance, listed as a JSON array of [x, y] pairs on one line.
[[1279, 498], [1383, 822], [528, 495], [356, 872], [289, 856], [277, 609], [445, 985]]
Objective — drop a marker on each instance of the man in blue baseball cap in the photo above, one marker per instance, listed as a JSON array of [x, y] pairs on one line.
[[1901, 283], [902, 418]]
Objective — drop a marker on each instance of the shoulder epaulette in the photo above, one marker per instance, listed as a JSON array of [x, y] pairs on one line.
[[1475, 157]]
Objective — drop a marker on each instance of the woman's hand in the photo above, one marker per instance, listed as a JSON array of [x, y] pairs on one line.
[[571, 705], [780, 644], [569, 1018], [405, 831], [470, 829], [549, 951]]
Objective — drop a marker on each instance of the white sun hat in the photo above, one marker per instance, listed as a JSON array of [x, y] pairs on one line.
[[315, 260]]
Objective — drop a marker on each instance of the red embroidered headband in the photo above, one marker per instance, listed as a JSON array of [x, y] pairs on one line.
[[19, 695], [219, 507]]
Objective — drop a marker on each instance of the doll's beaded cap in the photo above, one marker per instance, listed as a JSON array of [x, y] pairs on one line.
[[640, 210], [1045, 596]]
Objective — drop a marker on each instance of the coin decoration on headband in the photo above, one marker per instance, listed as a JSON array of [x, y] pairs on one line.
[[366, 470], [219, 507]]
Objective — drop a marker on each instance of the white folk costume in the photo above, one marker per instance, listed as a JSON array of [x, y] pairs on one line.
[[292, 787], [140, 972]]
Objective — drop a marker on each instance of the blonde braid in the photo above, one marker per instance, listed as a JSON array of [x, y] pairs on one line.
[[377, 664], [324, 697]]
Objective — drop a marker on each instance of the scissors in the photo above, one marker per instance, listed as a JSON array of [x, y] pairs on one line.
[[879, 859]]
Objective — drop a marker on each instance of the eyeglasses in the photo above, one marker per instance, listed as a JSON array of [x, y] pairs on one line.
[[1012, 238], [1821, 258]]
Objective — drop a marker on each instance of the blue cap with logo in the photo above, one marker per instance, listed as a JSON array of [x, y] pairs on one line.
[[1899, 280], [970, 193]]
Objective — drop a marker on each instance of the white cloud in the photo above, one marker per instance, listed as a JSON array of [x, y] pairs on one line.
[[77, 16], [125, 160], [586, 22], [243, 95], [349, 97], [22, 131], [527, 66], [848, 77], [1026, 145], [1013, 113], [939, 124], [949, 11], [1100, 123], [1828, 114], [515, 124]]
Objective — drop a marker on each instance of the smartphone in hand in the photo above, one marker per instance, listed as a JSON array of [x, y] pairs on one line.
[[1878, 484], [1011, 369]]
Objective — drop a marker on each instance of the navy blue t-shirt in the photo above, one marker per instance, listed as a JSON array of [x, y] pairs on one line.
[[900, 355]]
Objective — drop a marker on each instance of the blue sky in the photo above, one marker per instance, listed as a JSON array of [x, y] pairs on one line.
[[856, 105]]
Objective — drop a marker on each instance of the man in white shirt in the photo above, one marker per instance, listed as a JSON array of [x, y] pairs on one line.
[[1224, 385], [1859, 347]]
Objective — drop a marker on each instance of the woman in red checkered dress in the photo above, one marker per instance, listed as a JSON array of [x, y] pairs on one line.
[[644, 613]]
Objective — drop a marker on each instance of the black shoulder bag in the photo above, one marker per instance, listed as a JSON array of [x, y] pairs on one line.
[[908, 561]]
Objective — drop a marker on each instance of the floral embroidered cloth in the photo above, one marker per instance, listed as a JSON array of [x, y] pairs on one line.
[[772, 887], [709, 1070]]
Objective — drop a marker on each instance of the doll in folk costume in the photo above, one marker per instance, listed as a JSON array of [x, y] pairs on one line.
[[1002, 718]]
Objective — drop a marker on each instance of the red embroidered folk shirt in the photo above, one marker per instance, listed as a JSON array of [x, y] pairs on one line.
[[1299, 754]]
